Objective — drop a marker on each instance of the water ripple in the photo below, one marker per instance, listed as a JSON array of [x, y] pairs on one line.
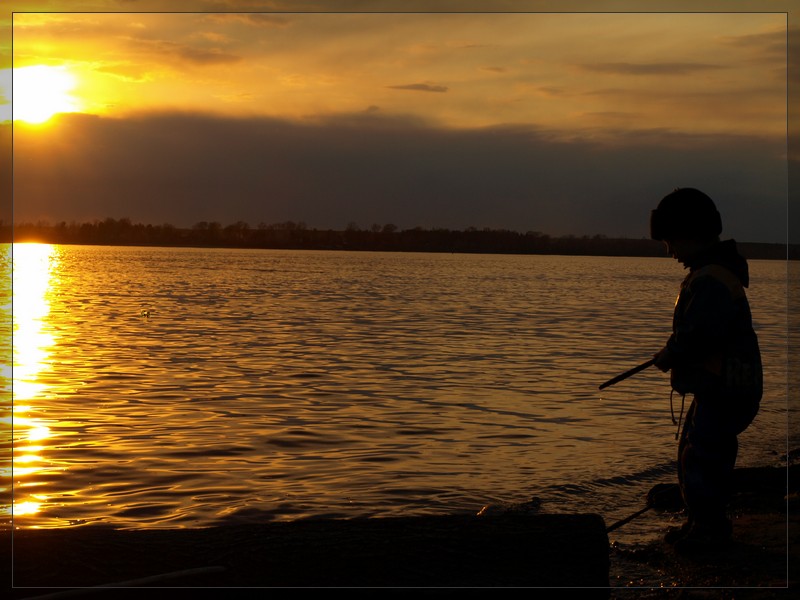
[[194, 387]]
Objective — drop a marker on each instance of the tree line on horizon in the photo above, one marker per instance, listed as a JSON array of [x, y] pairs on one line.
[[386, 237]]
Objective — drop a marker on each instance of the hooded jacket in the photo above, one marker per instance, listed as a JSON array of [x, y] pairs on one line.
[[713, 348]]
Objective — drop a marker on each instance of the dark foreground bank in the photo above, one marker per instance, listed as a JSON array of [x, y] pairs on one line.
[[495, 553], [425, 552]]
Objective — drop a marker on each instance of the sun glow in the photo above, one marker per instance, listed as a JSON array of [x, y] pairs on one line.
[[39, 92]]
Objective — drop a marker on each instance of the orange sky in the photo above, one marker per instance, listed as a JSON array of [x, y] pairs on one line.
[[618, 79], [568, 72]]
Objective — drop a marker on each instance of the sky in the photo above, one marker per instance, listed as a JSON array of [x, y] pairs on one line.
[[574, 122]]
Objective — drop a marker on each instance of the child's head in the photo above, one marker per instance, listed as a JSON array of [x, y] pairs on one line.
[[686, 214]]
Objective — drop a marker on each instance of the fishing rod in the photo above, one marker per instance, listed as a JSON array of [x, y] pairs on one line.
[[628, 373], [622, 522], [663, 496]]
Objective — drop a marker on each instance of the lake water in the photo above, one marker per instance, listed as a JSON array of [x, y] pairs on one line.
[[175, 387]]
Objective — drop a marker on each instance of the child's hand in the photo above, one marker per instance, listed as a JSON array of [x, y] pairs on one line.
[[663, 360]]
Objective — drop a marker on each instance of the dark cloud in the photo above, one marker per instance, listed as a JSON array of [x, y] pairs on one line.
[[419, 87], [264, 20], [193, 54], [206, 57], [659, 68], [612, 114], [770, 43], [370, 168], [550, 90]]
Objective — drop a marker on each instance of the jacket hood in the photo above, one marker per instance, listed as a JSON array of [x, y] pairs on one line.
[[725, 254]]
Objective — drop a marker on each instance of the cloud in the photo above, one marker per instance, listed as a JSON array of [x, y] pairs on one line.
[[769, 43], [261, 20], [550, 91], [419, 87], [374, 168], [612, 114], [126, 71], [659, 68], [186, 53]]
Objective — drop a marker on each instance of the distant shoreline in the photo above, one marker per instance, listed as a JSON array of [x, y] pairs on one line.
[[386, 238]]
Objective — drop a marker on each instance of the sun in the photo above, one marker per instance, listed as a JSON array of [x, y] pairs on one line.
[[40, 91]]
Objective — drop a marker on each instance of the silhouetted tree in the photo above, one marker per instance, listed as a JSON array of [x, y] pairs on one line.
[[290, 234]]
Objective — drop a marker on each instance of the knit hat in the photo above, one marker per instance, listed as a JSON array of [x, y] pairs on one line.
[[685, 214]]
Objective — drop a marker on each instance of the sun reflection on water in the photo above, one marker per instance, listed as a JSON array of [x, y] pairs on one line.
[[32, 276]]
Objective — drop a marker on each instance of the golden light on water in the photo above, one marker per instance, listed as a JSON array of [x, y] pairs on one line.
[[33, 271], [26, 508], [32, 264]]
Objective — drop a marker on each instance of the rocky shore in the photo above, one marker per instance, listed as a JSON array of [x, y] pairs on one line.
[[762, 560], [431, 555]]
